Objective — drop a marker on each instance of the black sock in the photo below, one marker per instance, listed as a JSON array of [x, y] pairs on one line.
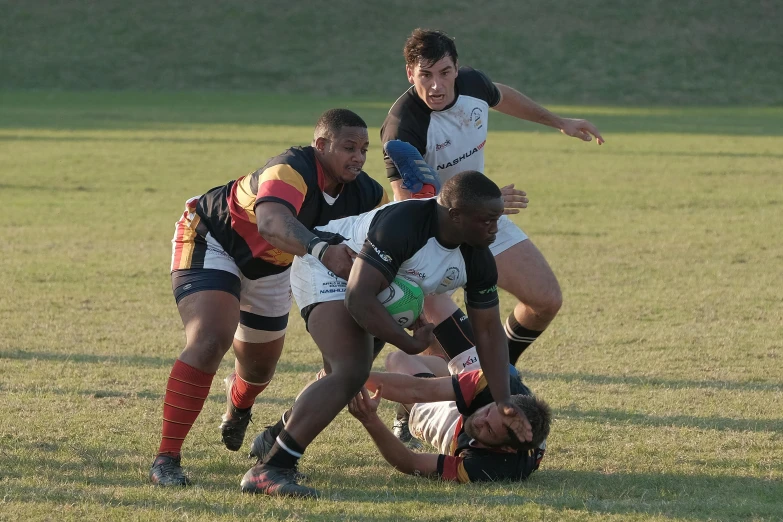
[[519, 338], [274, 431], [455, 334], [285, 453]]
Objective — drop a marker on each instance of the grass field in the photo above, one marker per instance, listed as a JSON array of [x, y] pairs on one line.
[[662, 52], [664, 367]]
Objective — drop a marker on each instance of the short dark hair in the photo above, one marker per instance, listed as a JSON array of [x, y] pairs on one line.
[[468, 189], [539, 414], [330, 123], [426, 46]]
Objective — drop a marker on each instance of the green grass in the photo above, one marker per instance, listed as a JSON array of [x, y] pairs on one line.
[[663, 52], [663, 367]]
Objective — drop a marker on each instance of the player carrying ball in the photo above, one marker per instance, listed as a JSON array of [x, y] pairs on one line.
[[441, 244]]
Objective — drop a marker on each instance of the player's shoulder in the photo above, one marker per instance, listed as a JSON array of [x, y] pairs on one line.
[[369, 191], [490, 465], [476, 84], [408, 115], [301, 159]]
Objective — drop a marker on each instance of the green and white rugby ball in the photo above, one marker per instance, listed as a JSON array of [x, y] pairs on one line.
[[404, 301]]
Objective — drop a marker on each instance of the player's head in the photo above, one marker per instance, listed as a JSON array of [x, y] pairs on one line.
[[431, 65], [475, 204], [340, 141], [486, 425]]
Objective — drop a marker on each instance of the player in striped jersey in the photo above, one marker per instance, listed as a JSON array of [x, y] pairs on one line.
[[457, 415], [232, 252]]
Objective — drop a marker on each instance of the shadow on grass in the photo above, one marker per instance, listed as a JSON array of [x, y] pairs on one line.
[[653, 382], [130, 360], [694, 497], [620, 417]]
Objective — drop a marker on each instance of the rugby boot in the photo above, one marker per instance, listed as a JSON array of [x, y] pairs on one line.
[[262, 445], [403, 433], [235, 421], [271, 480], [167, 471]]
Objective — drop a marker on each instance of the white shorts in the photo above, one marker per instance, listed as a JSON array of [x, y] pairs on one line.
[[312, 282], [264, 303], [509, 234]]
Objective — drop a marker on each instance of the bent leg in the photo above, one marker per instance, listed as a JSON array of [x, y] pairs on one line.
[[348, 353], [524, 272]]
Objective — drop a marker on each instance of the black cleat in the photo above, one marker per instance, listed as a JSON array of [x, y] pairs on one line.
[[403, 433], [262, 445], [167, 471], [271, 480], [235, 421]]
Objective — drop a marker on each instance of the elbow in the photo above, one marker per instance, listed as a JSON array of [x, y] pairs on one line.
[[265, 224]]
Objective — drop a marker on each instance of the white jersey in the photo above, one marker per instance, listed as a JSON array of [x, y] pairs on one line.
[[450, 140]]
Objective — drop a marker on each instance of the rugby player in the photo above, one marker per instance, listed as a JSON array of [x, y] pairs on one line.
[[445, 115], [232, 252], [441, 245], [455, 414]]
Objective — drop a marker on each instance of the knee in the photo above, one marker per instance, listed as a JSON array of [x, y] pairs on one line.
[[395, 360], [210, 342], [350, 378], [553, 302]]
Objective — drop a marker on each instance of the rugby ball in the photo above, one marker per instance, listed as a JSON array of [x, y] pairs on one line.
[[404, 301]]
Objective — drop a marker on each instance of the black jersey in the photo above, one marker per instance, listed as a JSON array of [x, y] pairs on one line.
[[294, 178], [400, 239], [450, 140]]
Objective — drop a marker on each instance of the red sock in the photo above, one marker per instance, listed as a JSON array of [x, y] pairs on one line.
[[243, 393], [186, 392], [427, 191]]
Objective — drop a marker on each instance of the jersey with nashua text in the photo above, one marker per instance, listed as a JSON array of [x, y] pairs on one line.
[[450, 140], [295, 179], [400, 239]]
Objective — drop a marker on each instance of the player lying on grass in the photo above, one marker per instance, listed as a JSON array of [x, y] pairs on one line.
[[232, 252], [441, 245], [457, 415], [445, 115]]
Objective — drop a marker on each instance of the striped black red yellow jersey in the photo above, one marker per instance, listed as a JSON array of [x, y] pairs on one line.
[[294, 178], [467, 463]]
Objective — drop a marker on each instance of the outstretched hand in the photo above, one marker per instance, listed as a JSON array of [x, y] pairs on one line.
[[582, 129], [363, 406], [515, 420], [513, 199]]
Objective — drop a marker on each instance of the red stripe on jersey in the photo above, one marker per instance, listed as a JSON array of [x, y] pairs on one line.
[[280, 189], [243, 223], [471, 384], [454, 469]]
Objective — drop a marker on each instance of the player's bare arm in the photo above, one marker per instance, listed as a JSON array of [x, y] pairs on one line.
[[364, 407], [364, 284], [492, 349], [278, 225], [514, 103], [407, 389]]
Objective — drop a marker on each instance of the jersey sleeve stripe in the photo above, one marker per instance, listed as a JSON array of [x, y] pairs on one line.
[[284, 182]]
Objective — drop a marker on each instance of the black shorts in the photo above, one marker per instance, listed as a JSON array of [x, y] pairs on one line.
[[192, 280]]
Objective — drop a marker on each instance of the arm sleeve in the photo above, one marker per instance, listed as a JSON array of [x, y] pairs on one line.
[[282, 184], [481, 288], [471, 391], [389, 241], [478, 85]]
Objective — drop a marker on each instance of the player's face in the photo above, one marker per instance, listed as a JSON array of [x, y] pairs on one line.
[[479, 226], [434, 82], [343, 156], [486, 426]]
